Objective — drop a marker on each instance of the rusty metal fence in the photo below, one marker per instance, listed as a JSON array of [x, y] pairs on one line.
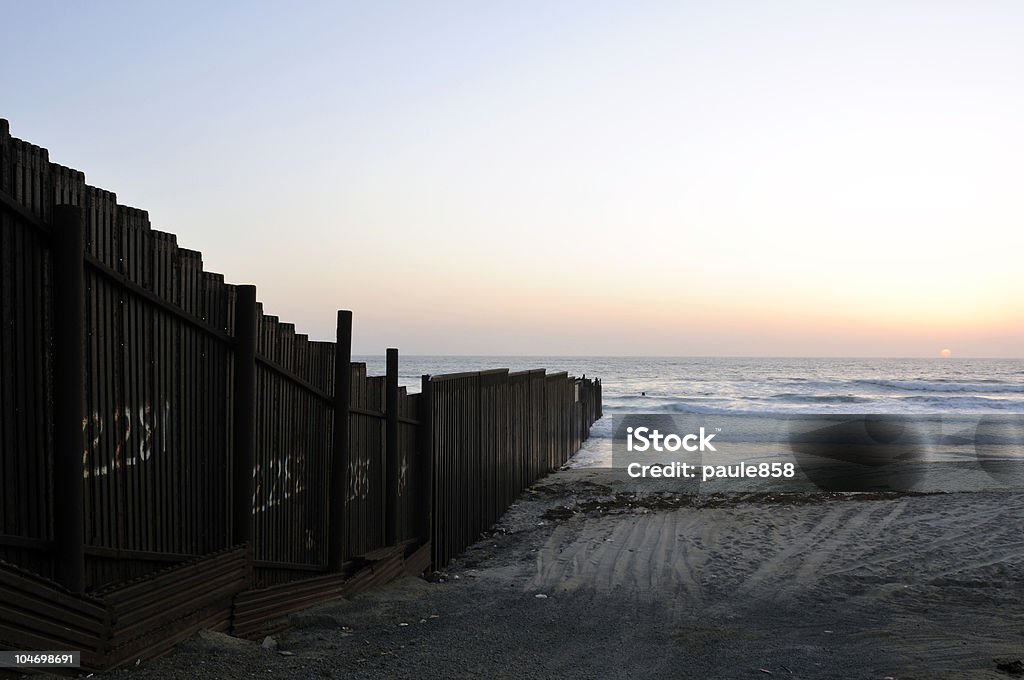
[[495, 432], [153, 417]]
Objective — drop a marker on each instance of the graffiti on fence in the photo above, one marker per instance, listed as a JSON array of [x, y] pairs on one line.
[[133, 433], [359, 479], [277, 481], [403, 473]]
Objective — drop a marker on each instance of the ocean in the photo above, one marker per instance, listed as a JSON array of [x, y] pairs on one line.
[[739, 386]]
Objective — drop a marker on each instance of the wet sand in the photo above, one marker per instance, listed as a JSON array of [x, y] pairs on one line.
[[653, 584]]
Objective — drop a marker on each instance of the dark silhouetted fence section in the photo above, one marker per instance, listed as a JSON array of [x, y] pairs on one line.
[[26, 390], [173, 457], [494, 433]]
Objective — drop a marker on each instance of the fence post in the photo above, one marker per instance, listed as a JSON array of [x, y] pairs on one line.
[[68, 394], [339, 482], [244, 415], [426, 466], [478, 486], [392, 467]]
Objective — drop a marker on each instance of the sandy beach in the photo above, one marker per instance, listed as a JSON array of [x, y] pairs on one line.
[[586, 578]]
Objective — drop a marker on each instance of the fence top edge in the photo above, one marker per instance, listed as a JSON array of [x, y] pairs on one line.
[[453, 376], [530, 371]]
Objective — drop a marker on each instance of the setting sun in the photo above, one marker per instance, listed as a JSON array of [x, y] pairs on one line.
[[946, 353]]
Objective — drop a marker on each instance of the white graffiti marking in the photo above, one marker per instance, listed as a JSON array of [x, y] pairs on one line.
[[277, 481], [132, 432], [402, 477], [358, 479]]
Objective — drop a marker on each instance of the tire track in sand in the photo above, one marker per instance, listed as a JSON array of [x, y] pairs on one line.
[[757, 555], [646, 556]]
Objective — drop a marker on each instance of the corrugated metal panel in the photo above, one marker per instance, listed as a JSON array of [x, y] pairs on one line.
[[493, 434], [25, 362]]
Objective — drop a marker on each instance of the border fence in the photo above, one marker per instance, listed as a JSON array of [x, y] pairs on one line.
[[174, 458]]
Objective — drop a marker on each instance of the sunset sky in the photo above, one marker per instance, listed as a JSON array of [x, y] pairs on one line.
[[577, 178]]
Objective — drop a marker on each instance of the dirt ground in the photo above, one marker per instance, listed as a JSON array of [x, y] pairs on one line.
[[585, 578]]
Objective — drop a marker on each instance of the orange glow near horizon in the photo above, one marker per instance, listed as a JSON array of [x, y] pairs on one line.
[[435, 318]]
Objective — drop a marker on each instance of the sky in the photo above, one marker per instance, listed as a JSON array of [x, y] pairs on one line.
[[563, 178]]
